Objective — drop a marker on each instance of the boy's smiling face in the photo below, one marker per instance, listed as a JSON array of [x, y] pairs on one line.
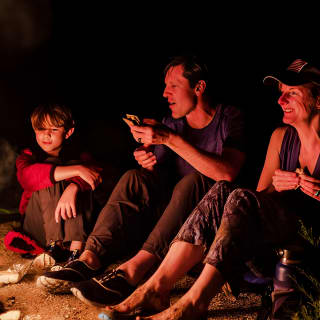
[[50, 138]]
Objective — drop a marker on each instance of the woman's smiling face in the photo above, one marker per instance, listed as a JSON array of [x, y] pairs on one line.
[[296, 102]]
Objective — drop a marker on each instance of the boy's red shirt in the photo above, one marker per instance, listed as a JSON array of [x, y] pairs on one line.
[[34, 176]]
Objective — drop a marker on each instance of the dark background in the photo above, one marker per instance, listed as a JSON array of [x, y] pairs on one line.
[[105, 59]]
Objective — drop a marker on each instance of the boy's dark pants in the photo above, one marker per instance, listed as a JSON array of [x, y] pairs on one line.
[[39, 219], [143, 202]]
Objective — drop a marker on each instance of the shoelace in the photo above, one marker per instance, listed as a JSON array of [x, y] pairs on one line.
[[74, 255], [108, 276], [51, 246]]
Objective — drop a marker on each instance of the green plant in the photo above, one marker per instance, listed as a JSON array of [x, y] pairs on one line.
[[308, 284]]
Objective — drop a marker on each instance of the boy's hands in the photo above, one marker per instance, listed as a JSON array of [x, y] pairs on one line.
[[66, 207], [89, 175]]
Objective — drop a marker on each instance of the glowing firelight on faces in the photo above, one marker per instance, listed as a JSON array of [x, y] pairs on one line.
[[296, 103], [181, 97], [50, 138]]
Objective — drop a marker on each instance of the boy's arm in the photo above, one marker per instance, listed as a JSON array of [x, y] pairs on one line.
[[34, 176], [66, 207], [86, 175]]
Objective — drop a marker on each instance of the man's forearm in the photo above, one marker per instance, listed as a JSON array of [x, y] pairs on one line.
[[216, 167]]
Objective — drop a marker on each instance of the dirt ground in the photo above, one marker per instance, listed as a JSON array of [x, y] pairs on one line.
[[36, 304]]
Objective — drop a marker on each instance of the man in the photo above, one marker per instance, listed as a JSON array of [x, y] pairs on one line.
[[180, 159]]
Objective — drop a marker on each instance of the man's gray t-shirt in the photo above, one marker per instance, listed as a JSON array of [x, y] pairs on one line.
[[225, 130]]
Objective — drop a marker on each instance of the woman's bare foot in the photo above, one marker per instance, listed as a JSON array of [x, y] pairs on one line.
[[146, 298], [183, 309]]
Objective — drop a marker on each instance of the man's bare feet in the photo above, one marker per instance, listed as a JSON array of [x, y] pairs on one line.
[[144, 298]]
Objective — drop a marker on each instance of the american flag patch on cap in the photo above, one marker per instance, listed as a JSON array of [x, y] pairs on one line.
[[297, 65]]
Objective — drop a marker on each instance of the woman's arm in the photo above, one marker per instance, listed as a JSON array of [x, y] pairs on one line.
[[272, 161]]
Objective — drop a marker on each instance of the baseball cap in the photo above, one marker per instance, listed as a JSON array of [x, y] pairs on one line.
[[299, 72]]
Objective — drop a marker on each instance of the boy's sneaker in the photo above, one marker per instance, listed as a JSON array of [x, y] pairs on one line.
[[60, 281], [107, 289], [45, 261], [58, 253]]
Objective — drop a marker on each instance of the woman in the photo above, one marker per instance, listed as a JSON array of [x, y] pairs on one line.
[[230, 226]]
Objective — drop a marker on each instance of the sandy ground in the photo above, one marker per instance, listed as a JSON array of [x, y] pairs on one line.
[[36, 304]]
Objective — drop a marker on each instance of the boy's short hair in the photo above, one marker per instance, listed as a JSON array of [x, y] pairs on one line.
[[53, 114]]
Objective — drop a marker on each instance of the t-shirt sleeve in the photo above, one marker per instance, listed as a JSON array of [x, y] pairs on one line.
[[234, 129]]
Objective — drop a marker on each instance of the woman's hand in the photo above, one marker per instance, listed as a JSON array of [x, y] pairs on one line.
[[310, 186], [285, 180], [66, 207]]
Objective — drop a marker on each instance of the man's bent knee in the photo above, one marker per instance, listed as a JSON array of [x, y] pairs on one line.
[[134, 176], [190, 182]]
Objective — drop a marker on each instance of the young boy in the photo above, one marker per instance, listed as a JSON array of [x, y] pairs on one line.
[[57, 198]]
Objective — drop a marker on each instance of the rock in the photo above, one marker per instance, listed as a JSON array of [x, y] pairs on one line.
[[11, 315]]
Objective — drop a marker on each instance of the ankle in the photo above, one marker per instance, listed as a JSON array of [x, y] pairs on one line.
[[130, 274], [138, 267], [91, 259], [76, 245]]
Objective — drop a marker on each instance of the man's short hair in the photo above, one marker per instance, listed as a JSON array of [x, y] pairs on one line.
[[53, 114], [194, 68]]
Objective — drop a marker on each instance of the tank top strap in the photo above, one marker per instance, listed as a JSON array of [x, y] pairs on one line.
[[290, 149]]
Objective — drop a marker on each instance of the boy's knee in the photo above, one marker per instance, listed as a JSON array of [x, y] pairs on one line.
[[52, 193]]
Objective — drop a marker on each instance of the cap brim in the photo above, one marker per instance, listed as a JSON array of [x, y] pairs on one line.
[[288, 77]]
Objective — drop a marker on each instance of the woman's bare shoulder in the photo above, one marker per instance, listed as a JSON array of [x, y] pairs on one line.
[[278, 133]]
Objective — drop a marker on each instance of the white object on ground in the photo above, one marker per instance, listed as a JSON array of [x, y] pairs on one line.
[[15, 273], [10, 315]]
